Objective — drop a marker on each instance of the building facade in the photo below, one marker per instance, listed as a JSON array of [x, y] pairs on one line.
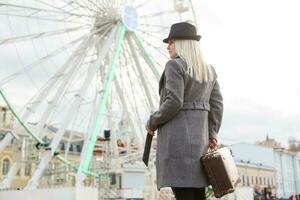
[[286, 165], [28, 165], [258, 177]]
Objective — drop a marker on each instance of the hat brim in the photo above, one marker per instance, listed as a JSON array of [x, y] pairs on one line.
[[194, 37]]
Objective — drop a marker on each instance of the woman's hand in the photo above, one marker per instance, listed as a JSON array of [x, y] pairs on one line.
[[150, 131], [213, 144]]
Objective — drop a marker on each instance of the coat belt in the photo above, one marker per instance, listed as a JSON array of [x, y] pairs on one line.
[[196, 105]]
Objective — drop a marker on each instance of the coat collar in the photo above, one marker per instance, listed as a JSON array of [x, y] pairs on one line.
[[162, 78], [161, 81]]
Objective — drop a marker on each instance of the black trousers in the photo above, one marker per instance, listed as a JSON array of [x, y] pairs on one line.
[[189, 193]]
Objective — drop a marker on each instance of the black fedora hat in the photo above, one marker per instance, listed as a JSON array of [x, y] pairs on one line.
[[183, 30]]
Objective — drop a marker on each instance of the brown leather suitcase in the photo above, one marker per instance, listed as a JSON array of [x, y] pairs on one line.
[[221, 171]]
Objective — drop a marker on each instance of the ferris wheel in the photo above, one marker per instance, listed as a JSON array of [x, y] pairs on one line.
[[72, 69]]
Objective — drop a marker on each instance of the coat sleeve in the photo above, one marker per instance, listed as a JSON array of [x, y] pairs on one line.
[[173, 100], [216, 111]]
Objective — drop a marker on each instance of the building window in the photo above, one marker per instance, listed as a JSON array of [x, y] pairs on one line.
[[264, 181], [4, 115], [252, 180], [27, 169], [62, 147], [78, 148], [256, 180], [248, 181], [5, 166], [243, 180], [113, 179], [260, 181]]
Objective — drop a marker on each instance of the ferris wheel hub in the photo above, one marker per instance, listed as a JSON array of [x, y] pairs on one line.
[[130, 17]]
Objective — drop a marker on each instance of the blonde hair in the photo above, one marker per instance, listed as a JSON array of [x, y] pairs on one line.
[[189, 51]]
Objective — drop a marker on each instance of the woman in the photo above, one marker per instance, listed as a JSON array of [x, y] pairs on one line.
[[189, 116]]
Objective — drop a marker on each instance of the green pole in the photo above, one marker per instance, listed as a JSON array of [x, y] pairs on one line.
[[19, 119], [149, 59], [67, 162], [104, 99]]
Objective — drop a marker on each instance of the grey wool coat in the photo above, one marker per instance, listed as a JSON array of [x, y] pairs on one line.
[[189, 114]]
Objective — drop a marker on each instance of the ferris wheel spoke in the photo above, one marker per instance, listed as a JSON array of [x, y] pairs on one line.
[[33, 103], [130, 93], [133, 64], [134, 103], [93, 3], [40, 35], [150, 108], [156, 35], [92, 71], [92, 6], [80, 175], [127, 111], [156, 48], [153, 34], [83, 7], [105, 4], [67, 120], [155, 25], [144, 3], [148, 58], [58, 136], [107, 87], [159, 14], [65, 11], [35, 11], [140, 73], [52, 6], [87, 5], [102, 6], [43, 18], [77, 94], [105, 46], [153, 38], [74, 63], [39, 13], [37, 63]]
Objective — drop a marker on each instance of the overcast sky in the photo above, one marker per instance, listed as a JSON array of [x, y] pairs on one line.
[[255, 46], [255, 49]]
